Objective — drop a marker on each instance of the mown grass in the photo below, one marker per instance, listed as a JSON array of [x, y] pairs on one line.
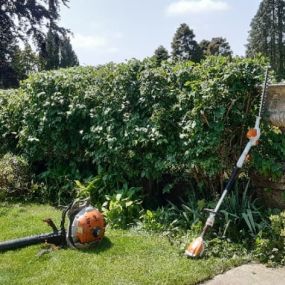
[[123, 257]]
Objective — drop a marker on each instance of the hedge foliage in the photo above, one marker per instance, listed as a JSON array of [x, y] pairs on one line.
[[138, 123], [11, 115], [14, 176]]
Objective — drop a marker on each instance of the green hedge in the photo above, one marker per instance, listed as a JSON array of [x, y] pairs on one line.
[[11, 116], [145, 125], [55, 114]]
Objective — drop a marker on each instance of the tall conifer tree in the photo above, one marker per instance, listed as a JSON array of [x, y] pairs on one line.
[[184, 46], [161, 54], [217, 46], [22, 21], [67, 55], [56, 50], [266, 34]]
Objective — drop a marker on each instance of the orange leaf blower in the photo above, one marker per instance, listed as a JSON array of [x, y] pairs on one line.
[[86, 228]]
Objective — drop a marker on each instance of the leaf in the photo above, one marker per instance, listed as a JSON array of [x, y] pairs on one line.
[[250, 217], [246, 219], [129, 203], [118, 196], [167, 188]]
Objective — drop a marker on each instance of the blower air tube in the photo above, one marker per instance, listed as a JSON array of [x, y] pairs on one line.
[[54, 238]]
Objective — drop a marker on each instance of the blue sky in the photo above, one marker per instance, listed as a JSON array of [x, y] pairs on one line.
[[116, 30]]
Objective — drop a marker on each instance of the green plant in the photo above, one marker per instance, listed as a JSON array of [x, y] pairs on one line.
[[14, 177], [187, 214], [270, 245], [241, 215], [174, 219], [122, 209], [57, 184], [150, 221], [224, 248], [96, 188], [268, 160]]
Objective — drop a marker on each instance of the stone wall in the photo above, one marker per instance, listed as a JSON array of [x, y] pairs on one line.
[[276, 105], [273, 193]]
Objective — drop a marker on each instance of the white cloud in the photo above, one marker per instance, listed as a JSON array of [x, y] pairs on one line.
[[183, 7], [84, 41], [118, 36], [99, 43], [112, 50]]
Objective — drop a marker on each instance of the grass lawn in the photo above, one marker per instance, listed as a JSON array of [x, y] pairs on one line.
[[123, 257]]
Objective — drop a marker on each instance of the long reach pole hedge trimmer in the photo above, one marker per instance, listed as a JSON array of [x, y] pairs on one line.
[[197, 246]]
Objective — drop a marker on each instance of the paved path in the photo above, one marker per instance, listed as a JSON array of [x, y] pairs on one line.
[[250, 274]]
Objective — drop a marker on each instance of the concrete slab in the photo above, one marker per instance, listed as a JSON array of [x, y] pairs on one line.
[[250, 274]]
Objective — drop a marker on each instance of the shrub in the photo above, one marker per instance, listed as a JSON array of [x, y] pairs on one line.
[[173, 119], [146, 126], [14, 176], [268, 161], [58, 184], [56, 116]]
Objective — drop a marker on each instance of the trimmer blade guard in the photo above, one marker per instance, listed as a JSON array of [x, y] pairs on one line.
[[195, 248]]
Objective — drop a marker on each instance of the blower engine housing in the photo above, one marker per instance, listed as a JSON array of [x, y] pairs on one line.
[[86, 227]]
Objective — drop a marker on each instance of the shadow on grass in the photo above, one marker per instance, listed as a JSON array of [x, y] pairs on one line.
[[104, 245]]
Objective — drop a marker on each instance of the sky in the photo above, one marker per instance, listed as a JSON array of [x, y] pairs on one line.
[[118, 30]]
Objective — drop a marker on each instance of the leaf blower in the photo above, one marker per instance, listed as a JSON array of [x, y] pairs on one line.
[[86, 227], [196, 248]]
